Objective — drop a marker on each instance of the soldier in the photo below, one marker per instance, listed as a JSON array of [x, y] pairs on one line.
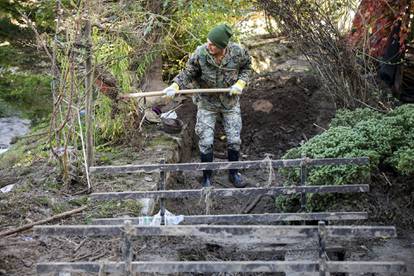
[[217, 64]]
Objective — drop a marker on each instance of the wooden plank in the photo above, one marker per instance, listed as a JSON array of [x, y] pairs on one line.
[[248, 218], [230, 192], [361, 231], [212, 233], [177, 267], [257, 164], [366, 267], [217, 267], [223, 233]]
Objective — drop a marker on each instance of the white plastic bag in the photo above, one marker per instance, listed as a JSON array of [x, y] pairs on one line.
[[170, 219], [7, 188], [169, 115]]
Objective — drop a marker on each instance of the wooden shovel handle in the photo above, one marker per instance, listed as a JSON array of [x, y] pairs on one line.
[[179, 92]]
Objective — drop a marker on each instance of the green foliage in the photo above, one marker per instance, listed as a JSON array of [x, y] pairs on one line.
[[42, 201], [6, 110], [53, 185], [143, 63], [384, 138], [336, 142], [18, 86], [19, 90], [288, 203], [110, 208], [58, 208], [8, 55], [382, 135], [195, 21], [349, 118], [403, 116], [79, 201], [27, 92], [23, 153], [114, 53], [42, 12], [402, 159], [203, 15], [108, 127]]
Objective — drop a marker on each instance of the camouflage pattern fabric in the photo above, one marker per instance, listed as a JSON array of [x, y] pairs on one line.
[[206, 120], [203, 72]]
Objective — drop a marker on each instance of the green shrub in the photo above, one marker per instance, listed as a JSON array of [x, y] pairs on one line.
[[384, 138], [349, 118], [402, 158], [336, 142], [403, 116]]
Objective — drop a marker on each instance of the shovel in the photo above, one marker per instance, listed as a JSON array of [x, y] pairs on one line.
[[179, 92]]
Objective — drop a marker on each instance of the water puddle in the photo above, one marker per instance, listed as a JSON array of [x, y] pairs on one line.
[[11, 127]]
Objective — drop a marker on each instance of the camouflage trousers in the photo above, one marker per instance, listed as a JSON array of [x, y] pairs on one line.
[[206, 121]]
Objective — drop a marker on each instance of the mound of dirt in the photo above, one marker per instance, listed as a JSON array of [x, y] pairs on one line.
[[280, 110]]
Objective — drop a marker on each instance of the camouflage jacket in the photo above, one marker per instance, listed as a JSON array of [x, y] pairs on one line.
[[204, 72]]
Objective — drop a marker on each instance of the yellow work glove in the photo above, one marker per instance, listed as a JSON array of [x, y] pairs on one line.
[[237, 88], [171, 90]]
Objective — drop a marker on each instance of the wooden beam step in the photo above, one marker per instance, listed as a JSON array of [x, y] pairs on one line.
[[248, 218], [365, 267], [257, 164], [221, 267], [230, 192], [281, 234], [177, 267]]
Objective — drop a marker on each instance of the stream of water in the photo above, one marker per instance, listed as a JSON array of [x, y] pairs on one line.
[[11, 127]]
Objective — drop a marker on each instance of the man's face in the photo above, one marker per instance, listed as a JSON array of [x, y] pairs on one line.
[[213, 49]]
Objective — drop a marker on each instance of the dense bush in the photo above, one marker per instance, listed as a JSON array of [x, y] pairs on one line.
[[387, 139]]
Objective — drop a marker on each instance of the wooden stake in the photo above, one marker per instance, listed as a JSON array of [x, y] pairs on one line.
[[89, 95]]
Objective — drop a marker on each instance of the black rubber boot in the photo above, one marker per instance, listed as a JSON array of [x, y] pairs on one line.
[[234, 175], [207, 173]]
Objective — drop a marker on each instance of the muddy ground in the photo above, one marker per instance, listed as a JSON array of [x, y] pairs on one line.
[[280, 110]]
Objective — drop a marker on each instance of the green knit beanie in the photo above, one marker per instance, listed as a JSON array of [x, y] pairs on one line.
[[220, 35]]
